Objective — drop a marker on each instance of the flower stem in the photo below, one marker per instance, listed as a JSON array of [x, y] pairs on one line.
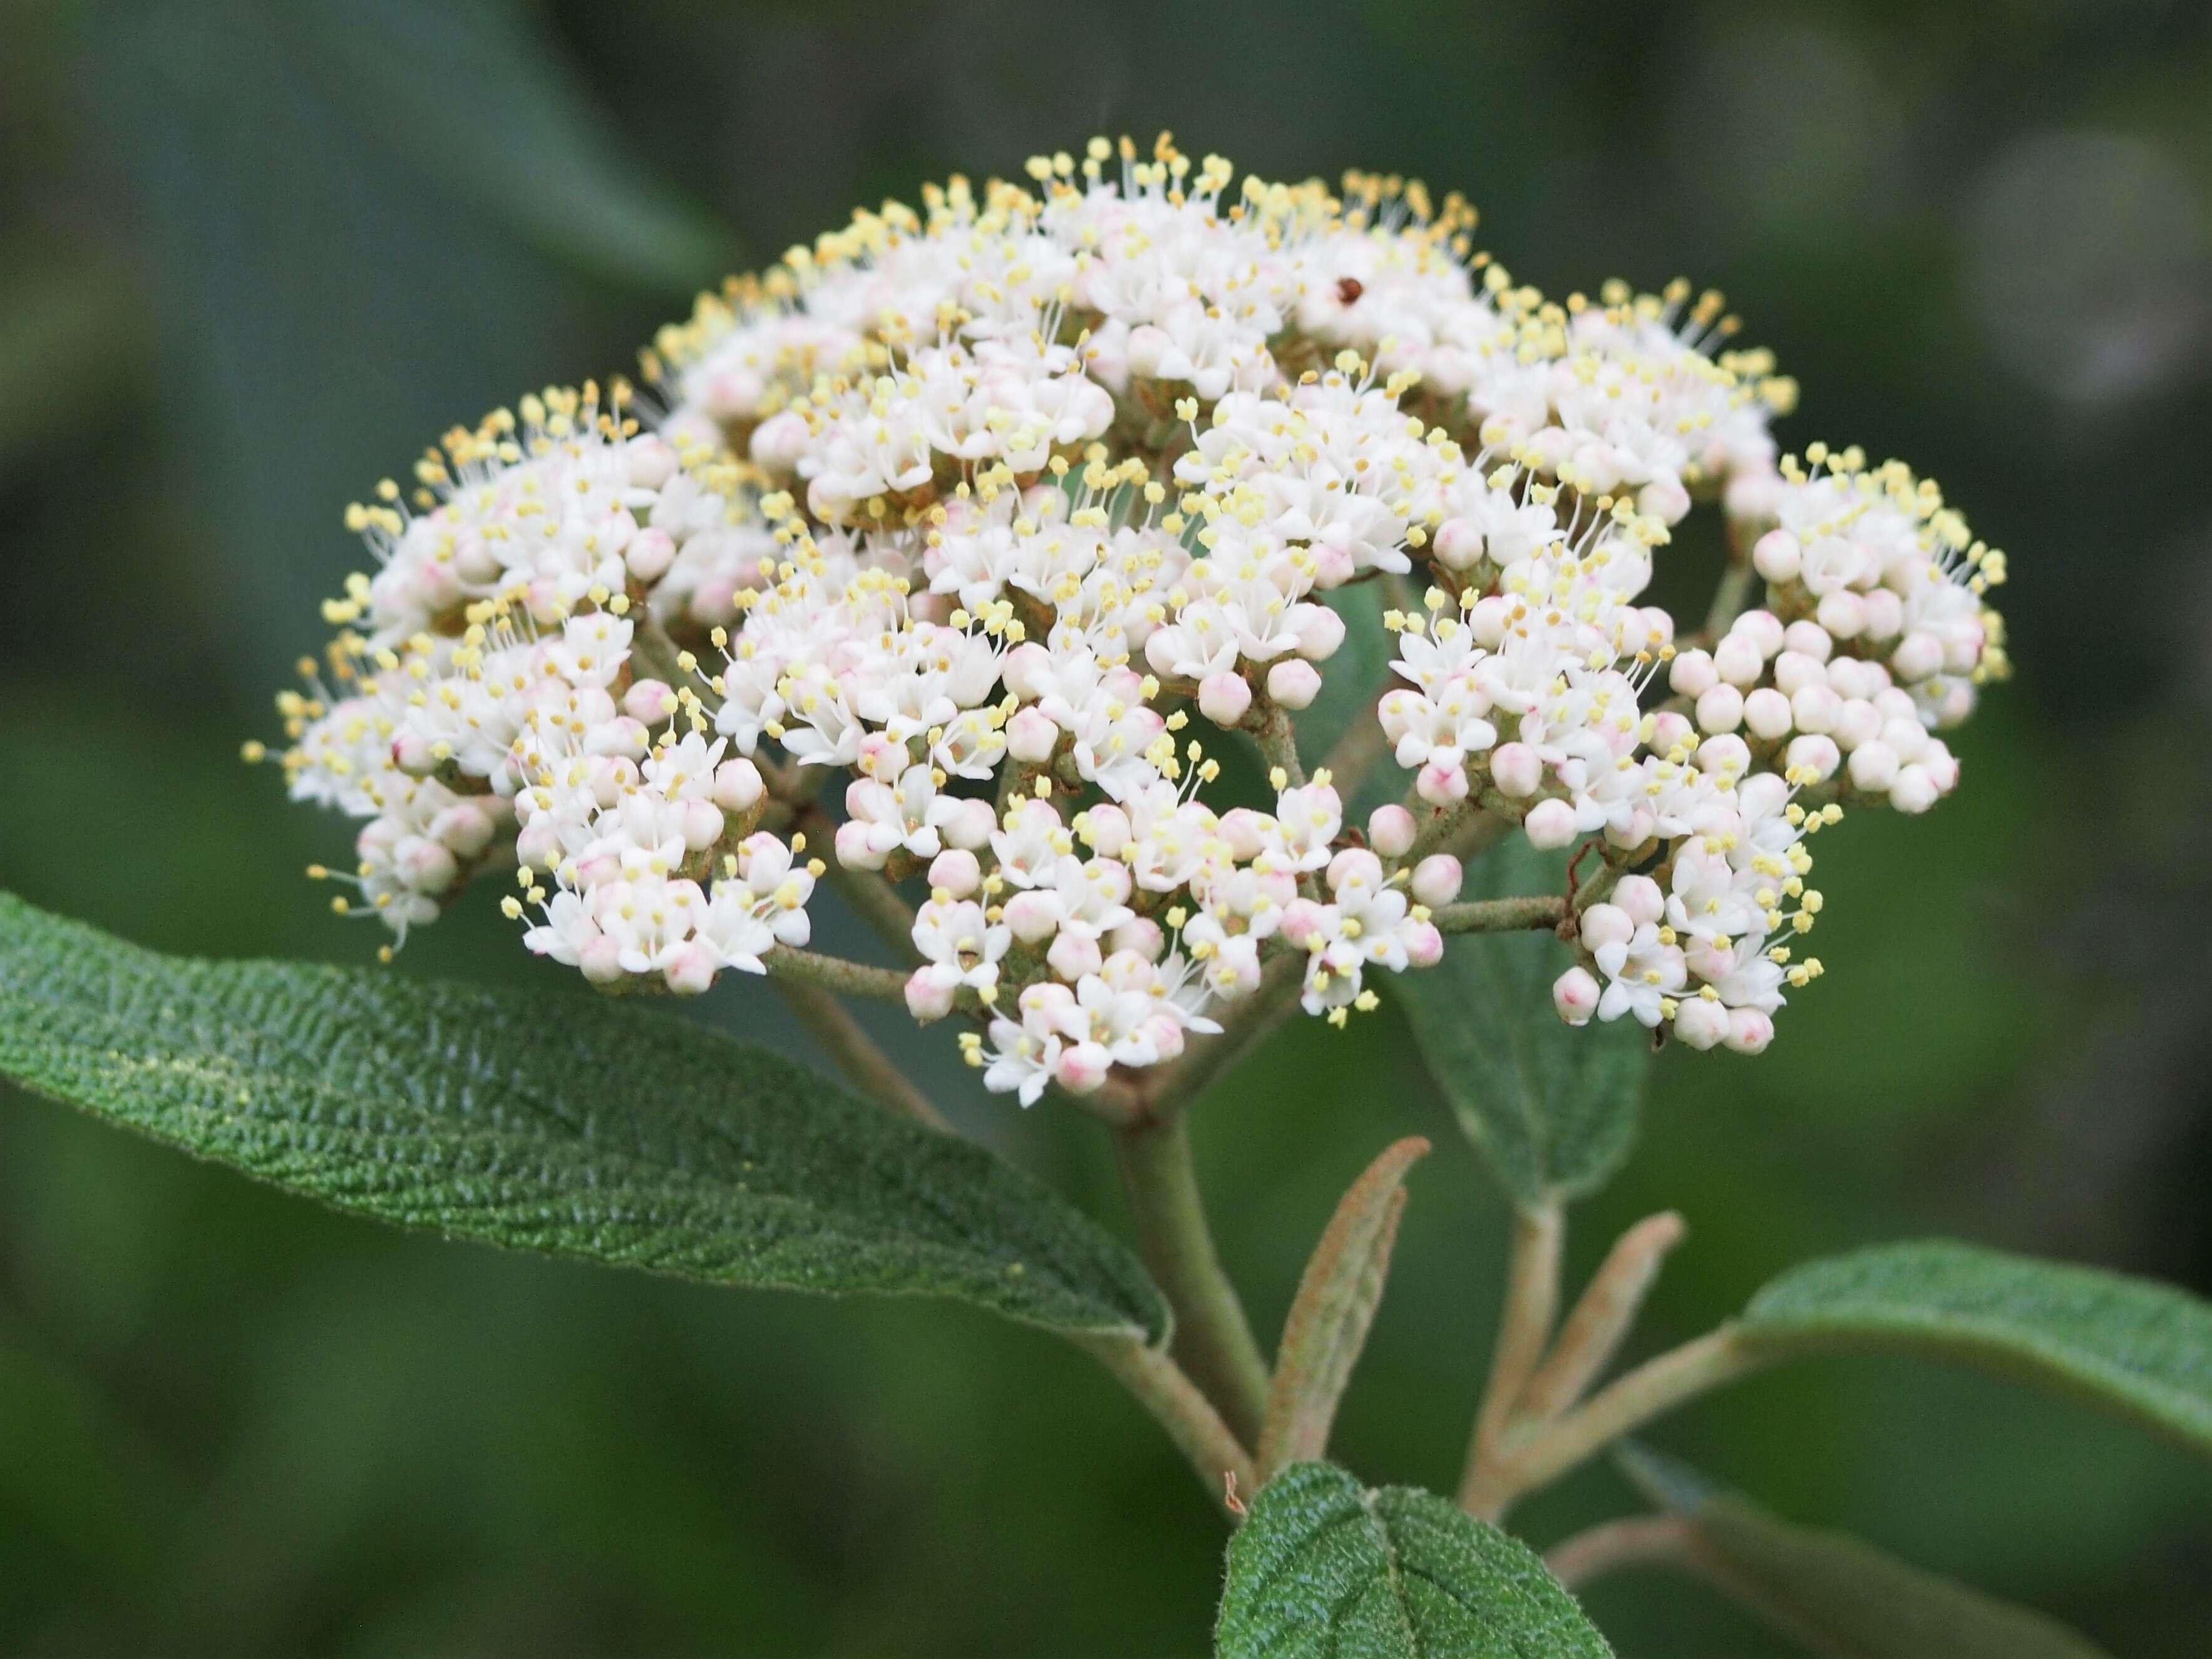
[[1243, 1024], [1278, 743], [1734, 586], [835, 974], [872, 899], [1633, 1540], [1161, 1387], [1537, 909], [1214, 1340], [1524, 1326], [832, 1025]]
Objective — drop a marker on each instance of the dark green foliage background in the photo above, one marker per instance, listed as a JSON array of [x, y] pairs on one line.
[[254, 253]]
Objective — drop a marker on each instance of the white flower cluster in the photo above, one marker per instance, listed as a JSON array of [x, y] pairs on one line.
[[966, 512]]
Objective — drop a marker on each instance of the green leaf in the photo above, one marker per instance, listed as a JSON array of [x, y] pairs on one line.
[[1551, 1108], [2142, 1348], [483, 105], [1329, 1319], [568, 1126], [1325, 1569], [1837, 1594]]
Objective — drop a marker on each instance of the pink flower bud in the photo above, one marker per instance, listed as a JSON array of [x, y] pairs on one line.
[[1693, 674], [1767, 712], [1640, 897], [1550, 823], [1083, 1068], [737, 785], [1605, 925], [1815, 751], [1749, 1030], [1245, 830], [1873, 766], [930, 994], [600, 960], [780, 441], [956, 871], [1390, 831], [649, 702], [1914, 790], [1665, 499], [1438, 880], [1106, 830], [1517, 770], [1032, 736], [1574, 993], [1141, 937], [854, 851], [465, 829], [649, 555], [1809, 638], [425, 865], [1334, 566], [1843, 613], [1776, 557], [1458, 544], [1223, 698], [1701, 1023], [1442, 783], [1073, 956], [1303, 922], [1294, 682], [1885, 614], [1319, 632], [969, 824], [703, 825], [1795, 672], [882, 758], [1720, 709], [1671, 731], [1033, 916], [690, 969], [1737, 661], [1917, 656], [1424, 946]]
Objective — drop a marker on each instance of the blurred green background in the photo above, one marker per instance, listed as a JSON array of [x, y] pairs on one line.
[[253, 254]]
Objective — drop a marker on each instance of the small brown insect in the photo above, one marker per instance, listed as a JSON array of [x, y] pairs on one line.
[[1349, 289]]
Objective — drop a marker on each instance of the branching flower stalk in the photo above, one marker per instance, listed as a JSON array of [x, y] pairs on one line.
[[950, 561]]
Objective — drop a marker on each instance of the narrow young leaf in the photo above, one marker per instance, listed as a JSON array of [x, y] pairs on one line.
[[1552, 1109], [1838, 1595], [2142, 1348], [1325, 1569], [565, 1125], [1335, 1304]]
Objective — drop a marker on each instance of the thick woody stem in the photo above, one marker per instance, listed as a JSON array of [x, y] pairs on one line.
[[1539, 910], [1162, 1387], [1601, 1320], [1213, 1338], [1632, 1541], [832, 1025], [1524, 1326]]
